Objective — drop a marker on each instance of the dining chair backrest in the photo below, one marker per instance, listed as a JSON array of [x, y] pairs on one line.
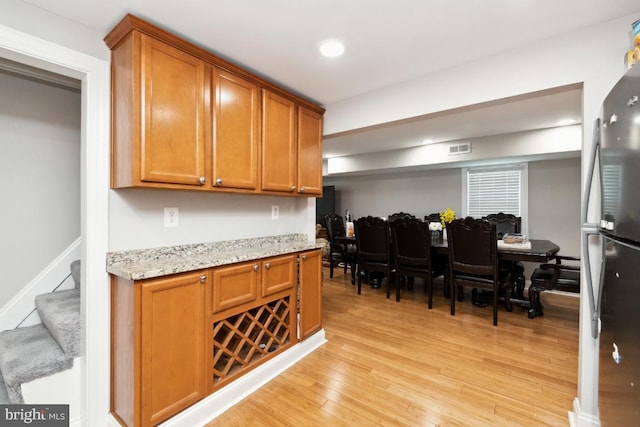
[[372, 239], [399, 215], [505, 223], [434, 217], [411, 242], [335, 227], [472, 246]]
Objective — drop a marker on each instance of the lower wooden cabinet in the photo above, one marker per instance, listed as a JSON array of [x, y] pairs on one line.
[[158, 348], [178, 338], [310, 292]]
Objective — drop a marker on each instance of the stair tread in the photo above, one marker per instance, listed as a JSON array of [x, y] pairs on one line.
[[60, 313], [29, 353]]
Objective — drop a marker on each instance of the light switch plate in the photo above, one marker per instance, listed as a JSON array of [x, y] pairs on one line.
[[275, 212]]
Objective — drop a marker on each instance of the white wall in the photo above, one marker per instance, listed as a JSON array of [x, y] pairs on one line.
[[136, 217], [39, 177]]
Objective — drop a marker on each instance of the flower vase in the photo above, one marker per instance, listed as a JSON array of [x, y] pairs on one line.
[[436, 236]]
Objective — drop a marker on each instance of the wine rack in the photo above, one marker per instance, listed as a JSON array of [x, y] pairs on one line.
[[243, 339]]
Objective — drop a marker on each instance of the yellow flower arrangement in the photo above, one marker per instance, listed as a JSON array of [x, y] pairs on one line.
[[447, 216]]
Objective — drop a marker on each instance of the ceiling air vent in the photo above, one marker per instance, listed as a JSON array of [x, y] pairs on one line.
[[460, 148]]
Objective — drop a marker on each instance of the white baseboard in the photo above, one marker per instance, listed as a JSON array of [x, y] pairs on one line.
[[577, 418], [211, 407], [20, 307]]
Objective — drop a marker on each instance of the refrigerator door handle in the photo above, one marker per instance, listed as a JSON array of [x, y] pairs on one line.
[[595, 149], [594, 304]]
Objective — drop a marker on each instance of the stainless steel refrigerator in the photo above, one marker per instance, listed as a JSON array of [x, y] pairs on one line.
[[616, 305]]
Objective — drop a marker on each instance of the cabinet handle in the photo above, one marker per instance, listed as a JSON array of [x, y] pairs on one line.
[[219, 181], [302, 189], [293, 188], [203, 180], [203, 278], [267, 265], [256, 267], [304, 257]]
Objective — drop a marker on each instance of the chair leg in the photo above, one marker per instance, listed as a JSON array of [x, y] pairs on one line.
[[359, 281], [429, 283], [397, 281], [507, 299], [330, 267], [452, 293], [495, 307], [353, 273]]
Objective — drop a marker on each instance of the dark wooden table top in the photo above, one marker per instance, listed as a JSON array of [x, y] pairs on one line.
[[541, 250]]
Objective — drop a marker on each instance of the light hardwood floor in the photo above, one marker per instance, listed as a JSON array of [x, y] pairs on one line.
[[389, 363]]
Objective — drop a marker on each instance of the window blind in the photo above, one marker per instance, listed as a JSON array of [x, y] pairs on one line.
[[494, 190]]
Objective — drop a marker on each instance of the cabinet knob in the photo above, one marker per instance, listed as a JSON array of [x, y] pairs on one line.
[[304, 257], [302, 189], [219, 181], [203, 278], [267, 265], [203, 180], [293, 188], [256, 267]]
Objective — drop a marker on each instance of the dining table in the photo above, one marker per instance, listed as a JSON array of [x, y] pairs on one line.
[[536, 250]]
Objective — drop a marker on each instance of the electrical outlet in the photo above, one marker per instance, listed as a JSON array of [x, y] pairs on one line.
[[171, 217], [275, 212]]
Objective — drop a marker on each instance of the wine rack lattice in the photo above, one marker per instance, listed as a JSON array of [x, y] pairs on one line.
[[245, 338]]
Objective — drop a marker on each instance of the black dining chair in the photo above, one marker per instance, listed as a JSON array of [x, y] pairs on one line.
[[412, 253], [473, 260], [510, 224], [563, 275], [339, 252], [372, 248]]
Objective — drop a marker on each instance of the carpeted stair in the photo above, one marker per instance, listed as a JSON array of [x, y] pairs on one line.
[[33, 352]]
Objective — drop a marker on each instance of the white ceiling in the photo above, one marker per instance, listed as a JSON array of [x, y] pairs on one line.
[[387, 42]]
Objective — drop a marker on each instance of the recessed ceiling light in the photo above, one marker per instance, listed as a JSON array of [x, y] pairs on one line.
[[426, 141], [331, 48], [566, 122]]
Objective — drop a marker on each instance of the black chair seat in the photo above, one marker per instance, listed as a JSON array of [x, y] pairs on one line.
[[547, 277], [566, 278]]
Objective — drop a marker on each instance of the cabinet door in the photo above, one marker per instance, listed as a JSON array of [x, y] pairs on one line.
[[309, 152], [234, 286], [172, 345], [278, 274], [310, 292], [278, 143], [172, 103], [236, 127]]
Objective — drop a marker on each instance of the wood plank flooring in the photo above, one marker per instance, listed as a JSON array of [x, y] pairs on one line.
[[389, 363]]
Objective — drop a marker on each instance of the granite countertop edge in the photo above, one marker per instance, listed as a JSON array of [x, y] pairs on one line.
[[156, 262]]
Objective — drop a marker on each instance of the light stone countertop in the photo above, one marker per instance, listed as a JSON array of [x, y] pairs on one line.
[[163, 261]]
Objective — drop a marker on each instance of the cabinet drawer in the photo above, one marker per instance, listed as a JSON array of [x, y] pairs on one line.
[[234, 285], [278, 274]]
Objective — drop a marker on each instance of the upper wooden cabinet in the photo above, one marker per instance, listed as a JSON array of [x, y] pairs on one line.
[[309, 152], [236, 131], [158, 110], [291, 145], [183, 118], [278, 143]]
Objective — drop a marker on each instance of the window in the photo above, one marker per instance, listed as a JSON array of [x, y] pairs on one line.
[[496, 189]]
